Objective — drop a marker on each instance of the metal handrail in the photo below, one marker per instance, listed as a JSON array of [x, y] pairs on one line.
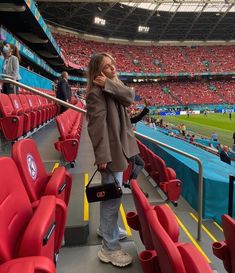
[[71, 106], [35, 91], [200, 177]]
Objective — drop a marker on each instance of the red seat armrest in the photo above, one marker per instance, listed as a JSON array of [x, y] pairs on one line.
[[56, 183]]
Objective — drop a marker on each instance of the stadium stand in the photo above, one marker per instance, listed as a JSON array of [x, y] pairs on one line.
[[33, 217], [154, 59], [185, 92]]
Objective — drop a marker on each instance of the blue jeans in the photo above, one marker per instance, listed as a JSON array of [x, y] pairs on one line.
[[109, 215]]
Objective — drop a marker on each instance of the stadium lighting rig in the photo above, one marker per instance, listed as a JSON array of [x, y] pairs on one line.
[[143, 29], [11, 7], [99, 21]]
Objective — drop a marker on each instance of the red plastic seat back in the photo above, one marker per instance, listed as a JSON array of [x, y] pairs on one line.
[[142, 207], [169, 258], [163, 173], [6, 107], [228, 224], [168, 221], [31, 168], [15, 209], [24, 103], [16, 103]]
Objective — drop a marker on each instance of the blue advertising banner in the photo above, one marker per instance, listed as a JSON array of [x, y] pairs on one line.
[[176, 113], [25, 51], [31, 79]]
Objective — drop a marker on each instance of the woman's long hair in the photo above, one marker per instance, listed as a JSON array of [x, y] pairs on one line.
[[94, 68], [15, 51]]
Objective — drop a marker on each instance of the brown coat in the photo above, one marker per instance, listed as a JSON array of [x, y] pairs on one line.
[[109, 125]]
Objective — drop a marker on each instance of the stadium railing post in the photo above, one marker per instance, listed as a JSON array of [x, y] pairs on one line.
[[230, 195]]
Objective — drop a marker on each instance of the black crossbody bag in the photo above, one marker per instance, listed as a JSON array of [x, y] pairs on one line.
[[102, 192]]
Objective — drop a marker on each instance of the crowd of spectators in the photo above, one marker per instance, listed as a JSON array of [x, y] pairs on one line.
[[151, 59], [186, 92]]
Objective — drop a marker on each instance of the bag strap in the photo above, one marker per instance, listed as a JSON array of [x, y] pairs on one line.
[[92, 177], [111, 172], [107, 170]]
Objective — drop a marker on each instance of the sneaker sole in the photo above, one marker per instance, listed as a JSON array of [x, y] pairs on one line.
[[104, 259]]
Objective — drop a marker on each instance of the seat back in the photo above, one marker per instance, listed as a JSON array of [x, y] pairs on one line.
[[24, 102], [162, 169], [228, 224], [142, 207], [15, 209], [6, 107], [31, 168], [165, 215], [169, 257], [16, 103]]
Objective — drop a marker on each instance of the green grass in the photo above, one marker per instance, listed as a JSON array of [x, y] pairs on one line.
[[205, 125]]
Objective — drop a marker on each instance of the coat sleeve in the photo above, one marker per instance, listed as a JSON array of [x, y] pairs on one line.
[[139, 117], [122, 93], [97, 127]]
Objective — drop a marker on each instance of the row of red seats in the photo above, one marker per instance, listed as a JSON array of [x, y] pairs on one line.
[[23, 113], [32, 212], [69, 126], [164, 176], [159, 232]]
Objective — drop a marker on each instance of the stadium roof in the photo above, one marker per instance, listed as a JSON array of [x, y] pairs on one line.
[[22, 18], [167, 20]]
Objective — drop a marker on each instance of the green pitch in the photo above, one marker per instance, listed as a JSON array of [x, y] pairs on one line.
[[205, 125]]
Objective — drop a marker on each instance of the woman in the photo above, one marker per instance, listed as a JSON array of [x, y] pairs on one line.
[[11, 67], [113, 142]]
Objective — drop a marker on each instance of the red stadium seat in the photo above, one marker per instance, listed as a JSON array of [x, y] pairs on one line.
[[20, 111], [139, 221], [175, 257], [38, 182], [26, 229], [34, 264], [164, 176], [12, 123], [226, 250], [27, 109]]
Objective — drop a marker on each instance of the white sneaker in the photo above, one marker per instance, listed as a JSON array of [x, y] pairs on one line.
[[122, 233], [116, 257]]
